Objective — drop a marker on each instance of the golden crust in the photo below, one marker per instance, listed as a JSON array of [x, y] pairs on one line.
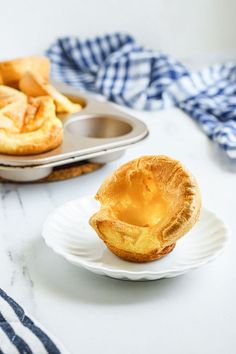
[[28, 128], [139, 257], [28, 122], [146, 206], [33, 84], [9, 95], [12, 71]]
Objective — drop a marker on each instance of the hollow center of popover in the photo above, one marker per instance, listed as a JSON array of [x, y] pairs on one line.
[[141, 202]]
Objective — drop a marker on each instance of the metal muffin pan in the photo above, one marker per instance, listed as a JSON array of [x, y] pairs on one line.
[[99, 132]]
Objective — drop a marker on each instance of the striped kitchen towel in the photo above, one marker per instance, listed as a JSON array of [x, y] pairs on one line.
[[128, 74], [20, 334]]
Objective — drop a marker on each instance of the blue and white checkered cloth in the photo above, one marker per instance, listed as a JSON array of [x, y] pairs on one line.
[[124, 72], [20, 334]]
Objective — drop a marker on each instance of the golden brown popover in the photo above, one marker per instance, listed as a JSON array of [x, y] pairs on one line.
[[146, 206], [12, 71], [33, 84], [28, 107], [27, 127]]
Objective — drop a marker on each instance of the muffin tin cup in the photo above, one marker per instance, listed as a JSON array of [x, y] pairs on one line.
[[99, 132]]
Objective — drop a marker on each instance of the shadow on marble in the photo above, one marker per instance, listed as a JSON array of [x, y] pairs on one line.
[[55, 275]]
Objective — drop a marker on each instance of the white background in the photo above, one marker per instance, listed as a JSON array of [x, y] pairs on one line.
[[199, 30], [191, 314]]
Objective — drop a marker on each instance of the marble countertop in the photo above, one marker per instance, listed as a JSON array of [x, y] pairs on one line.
[[191, 314]]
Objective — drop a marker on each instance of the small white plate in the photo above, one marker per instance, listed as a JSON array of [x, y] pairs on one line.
[[68, 233]]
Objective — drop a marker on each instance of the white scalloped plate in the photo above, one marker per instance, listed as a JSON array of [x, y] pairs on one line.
[[68, 233]]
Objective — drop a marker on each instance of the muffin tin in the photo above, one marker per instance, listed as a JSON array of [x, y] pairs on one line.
[[99, 133]]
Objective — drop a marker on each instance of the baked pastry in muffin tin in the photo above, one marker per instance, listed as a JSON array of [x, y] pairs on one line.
[[29, 106]]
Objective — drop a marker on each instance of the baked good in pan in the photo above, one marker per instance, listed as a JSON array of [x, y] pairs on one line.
[[34, 85], [27, 126], [28, 107], [146, 206], [33, 130], [12, 71]]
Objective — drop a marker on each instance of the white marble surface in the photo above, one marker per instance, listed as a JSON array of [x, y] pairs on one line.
[[190, 314]]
